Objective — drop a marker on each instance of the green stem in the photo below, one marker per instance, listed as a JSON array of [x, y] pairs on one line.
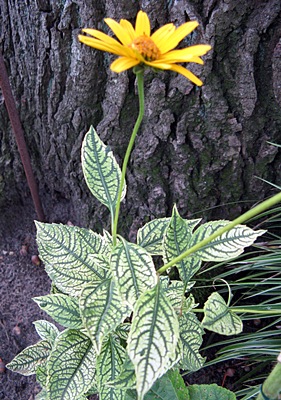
[[271, 387], [139, 75], [253, 311], [244, 217], [244, 310]]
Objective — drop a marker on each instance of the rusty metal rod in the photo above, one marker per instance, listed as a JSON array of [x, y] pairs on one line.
[[19, 135]]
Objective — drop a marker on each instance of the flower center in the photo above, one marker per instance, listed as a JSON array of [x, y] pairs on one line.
[[146, 47]]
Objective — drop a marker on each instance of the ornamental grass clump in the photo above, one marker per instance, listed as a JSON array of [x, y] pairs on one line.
[[130, 328]]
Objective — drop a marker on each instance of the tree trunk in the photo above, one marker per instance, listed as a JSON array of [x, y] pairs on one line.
[[201, 148]]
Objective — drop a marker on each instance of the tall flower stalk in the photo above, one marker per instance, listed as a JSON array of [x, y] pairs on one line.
[[139, 74], [139, 49]]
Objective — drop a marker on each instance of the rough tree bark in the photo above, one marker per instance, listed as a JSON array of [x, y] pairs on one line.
[[198, 147]]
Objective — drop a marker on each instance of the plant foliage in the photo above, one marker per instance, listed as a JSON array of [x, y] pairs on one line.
[[128, 331]]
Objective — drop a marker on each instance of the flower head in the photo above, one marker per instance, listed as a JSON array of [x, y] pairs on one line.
[[137, 46]]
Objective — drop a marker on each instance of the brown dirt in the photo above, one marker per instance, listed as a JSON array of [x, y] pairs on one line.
[[20, 281]]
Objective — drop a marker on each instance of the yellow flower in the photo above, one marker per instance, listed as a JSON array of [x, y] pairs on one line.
[[139, 46]]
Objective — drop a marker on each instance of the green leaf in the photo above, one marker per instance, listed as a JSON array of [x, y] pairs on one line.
[[71, 366], [73, 256], [133, 270], [151, 235], [131, 394], [26, 362], [101, 171], [177, 240], [109, 365], [169, 387], [210, 392], [227, 246], [46, 330], [153, 339], [62, 308], [102, 310], [191, 338], [219, 318]]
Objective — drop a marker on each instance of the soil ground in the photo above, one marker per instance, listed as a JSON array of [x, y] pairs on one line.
[[20, 280]]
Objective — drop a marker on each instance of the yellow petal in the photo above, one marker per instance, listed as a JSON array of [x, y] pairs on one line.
[[129, 28], [121, 33], [180, 33], [110, 44], [197, 60], [98, 44], [162, 34], [142, 24], [189, 75], [186, 55], [102, 36], [157, 64], [122, 64]]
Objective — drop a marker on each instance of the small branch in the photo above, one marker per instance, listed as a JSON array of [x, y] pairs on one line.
[[19, 135]]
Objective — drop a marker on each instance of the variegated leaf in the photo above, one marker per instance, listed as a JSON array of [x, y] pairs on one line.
[[133, 270], [72, 256], [62, 308], [101, 171], [123, 330], [41, 375], [55, 290], [127, 377], [46, 330], [109, 366], [108, 242], [42, 395], [177, 240], [227, 246], [175, 291], [26, 362], [93, 390], [153, 339], [219, 318], [191, 337], [189, 304], [151, 235], [71, 366], [102, 310]]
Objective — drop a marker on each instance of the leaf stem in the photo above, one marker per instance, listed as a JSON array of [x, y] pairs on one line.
[[241, 219], [139, 75], [244, 310]]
